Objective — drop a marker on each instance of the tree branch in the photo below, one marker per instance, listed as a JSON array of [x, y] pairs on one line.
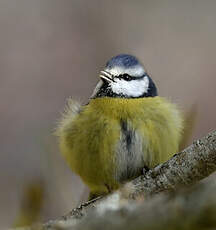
[[185, 168], [193, 208]]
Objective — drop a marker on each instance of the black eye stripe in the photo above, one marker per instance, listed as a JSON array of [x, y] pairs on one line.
[[128, 77]]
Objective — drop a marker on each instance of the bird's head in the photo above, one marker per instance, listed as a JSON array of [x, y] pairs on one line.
[[124, 77]]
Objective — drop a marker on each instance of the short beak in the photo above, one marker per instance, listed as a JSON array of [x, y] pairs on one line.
[[106, 76]]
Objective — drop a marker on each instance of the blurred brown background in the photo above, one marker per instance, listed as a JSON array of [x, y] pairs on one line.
[[53, 49]]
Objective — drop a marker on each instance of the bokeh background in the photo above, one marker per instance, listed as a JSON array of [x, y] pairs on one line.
[[53, 49]]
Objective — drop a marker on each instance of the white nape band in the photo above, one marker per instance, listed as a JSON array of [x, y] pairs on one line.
[[135, 71]]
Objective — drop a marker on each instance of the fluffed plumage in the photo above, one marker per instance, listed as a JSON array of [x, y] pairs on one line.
[[110, 140]]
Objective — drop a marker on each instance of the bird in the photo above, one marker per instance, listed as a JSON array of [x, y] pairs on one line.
[[124, 129]]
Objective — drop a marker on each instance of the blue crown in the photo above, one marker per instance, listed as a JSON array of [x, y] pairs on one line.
[[122, 60]]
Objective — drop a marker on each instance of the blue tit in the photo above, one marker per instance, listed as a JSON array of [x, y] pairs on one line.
[[124, 128]]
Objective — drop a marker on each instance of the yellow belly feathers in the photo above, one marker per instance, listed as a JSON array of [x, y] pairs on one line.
[[111, 139]]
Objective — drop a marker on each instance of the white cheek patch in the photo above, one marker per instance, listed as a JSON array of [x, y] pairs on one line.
[[135, 71], [133, 88]]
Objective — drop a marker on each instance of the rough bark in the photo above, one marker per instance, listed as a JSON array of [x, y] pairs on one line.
[[193, 208], [185, 168]]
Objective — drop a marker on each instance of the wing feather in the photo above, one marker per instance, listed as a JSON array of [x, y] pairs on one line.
[[71, 110]]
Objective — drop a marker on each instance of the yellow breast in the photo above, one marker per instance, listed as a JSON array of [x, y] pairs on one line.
[[111, 138]]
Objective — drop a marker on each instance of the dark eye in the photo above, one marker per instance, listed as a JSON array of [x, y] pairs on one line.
[[126, 77]]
